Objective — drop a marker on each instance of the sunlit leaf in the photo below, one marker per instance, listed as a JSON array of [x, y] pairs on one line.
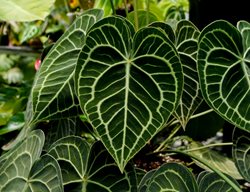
[[128, 89], [24, 10], [143, 18], [90, 168], [16, 122], [224, 71]]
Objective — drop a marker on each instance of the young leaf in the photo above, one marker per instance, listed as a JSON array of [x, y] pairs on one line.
[[53, 93], [90, 168], [241, 154], [223, 68], [169, 177], [211, 182], [128, 89]]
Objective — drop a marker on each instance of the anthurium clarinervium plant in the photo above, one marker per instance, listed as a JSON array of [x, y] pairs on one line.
[[128, 83]]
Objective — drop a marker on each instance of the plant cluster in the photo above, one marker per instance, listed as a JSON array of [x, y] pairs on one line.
[[109, 87]]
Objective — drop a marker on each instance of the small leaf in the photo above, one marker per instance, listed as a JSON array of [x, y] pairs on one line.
[[241, 154], [25, 10], [90, 168], [211, 182], [224, 72], [169, 177], [127, 89]]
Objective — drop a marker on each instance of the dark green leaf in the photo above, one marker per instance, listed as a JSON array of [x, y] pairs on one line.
[[223, 67], [241, 154], [127, 89], [90, 168], [211, 182], [169, 177], [53, 93], [20, 170]]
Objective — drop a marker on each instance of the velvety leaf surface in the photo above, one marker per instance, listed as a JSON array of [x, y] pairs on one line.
[[169, 177], [211, 182], [57, 129], [24, 10], [45, 176], [223, 67], [241, 154], [185, 37], [22, 170], [127, 87], [53, 93], [90, 168], [187, 42]]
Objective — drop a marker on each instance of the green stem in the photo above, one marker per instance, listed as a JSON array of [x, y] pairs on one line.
[[148, 8], [67, 6], [174, 131], [208, 146], [112, 7], [136, 15], [125, 7], [223, 176], [194, 116], [20, 50]]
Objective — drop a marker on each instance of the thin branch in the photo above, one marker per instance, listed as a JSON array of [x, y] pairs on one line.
[[20, 51]]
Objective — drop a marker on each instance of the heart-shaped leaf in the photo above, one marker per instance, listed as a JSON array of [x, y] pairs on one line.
[[90, 168], [224, 71], [185, 37], [127, 88], [53, 93], [20, 169], [211, 182], [169, 177], [187, 42], [241, 154]]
